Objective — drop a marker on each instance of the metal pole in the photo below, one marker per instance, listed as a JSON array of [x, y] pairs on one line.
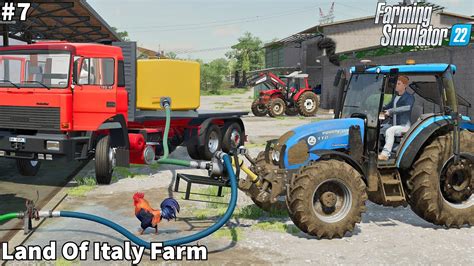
[[5, 34]]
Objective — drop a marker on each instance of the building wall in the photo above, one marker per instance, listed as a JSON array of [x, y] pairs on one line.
[[462, 57]]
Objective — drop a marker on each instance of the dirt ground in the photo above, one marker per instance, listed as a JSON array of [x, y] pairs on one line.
[[385, 235]]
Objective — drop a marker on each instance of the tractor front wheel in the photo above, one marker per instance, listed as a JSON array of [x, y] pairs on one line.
[[441, 191], [259, 109], [326, 198], [308, 103], [276, 107]]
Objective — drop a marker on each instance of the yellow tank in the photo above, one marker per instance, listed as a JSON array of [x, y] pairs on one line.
[[179, 80]]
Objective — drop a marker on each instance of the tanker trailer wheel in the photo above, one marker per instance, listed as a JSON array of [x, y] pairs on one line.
[[440, 191], [233, 137], [212, 142], [276, 107], [308, 103], [259, 109], [326, 198], [192, 148], [104, 161], [28, 167]]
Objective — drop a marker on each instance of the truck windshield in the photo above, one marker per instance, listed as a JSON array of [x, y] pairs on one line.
[[33, 69], [362, 97]]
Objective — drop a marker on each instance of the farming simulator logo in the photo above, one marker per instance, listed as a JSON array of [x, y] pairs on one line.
[[418, 32]]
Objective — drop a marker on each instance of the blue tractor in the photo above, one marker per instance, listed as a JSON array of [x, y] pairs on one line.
[[325, 171]]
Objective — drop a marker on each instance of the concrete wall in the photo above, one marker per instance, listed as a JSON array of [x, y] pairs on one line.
[[462, 57]]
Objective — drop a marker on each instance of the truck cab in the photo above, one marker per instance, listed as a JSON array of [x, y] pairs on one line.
[[53, 95]]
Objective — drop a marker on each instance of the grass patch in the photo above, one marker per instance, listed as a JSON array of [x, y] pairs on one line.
[[224, 91], [255, 145], [275, 226], [85, 184], [235, 234], [254, 213], [124, 172], [64, 262]]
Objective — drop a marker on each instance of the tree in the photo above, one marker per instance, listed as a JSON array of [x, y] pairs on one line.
[[213, 74], [171, 55], [248, 52], [122, 34]]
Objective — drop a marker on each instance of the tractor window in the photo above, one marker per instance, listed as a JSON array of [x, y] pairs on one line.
[[97, 71], [362, 97]]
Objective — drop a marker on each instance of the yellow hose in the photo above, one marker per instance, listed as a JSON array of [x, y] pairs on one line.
[[251, 174]]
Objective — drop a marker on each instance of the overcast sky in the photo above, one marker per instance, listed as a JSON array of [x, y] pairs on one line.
[[213, 25]]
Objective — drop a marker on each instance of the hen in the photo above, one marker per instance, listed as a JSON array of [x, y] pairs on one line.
[[150, 217]]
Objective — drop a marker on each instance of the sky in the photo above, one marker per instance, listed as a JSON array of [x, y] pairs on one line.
[[206, 29]]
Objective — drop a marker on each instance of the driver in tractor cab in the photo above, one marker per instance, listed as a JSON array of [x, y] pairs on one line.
[[399, 109]]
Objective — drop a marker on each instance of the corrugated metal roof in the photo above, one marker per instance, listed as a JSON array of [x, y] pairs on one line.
[[74, 21]]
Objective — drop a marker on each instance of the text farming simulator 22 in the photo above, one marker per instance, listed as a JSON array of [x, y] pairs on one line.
[[249, 132]]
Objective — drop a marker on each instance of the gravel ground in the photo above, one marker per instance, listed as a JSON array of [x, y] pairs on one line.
[[385, 236]]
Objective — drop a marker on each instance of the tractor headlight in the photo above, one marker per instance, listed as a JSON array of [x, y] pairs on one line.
[[276, 156]]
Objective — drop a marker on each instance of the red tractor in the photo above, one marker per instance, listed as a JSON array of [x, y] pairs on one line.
[[290, 95]]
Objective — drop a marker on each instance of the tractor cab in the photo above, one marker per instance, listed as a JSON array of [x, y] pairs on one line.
[[372, 89]]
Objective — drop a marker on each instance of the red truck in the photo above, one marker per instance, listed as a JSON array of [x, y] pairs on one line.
[[78, 101]]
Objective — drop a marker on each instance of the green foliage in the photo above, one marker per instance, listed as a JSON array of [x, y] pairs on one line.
[[85, 184], [248, 53], [276, 226], [122, 34], [171, 55], [213, 74]]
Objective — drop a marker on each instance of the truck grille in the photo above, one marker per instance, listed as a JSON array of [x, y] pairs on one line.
[[34, 118]]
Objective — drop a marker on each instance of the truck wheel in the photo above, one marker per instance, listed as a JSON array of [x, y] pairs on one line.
[[212, 142], [192, 148], [259, 109], [104, 161], [291, 111], [233, 137], [276, 107], [326, 198], [308, 103], [447, 199], [28, 167]]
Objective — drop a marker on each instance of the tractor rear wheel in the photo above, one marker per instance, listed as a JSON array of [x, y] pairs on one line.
[[443, 197], [276, 107], [308, 103], [259, 109], [326, 198]]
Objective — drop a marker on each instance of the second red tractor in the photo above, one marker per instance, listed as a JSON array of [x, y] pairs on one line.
[[290, 95]]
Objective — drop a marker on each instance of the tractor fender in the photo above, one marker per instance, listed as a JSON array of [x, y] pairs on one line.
[[297, 95], [341, 156], [418, 138]]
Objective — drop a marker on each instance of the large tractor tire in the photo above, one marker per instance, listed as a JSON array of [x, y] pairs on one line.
[[212, 142], [28, 167], [233, 137], [326, 198], [308, 103], [443, 200], [276, 107], [104, 161], [259, 109]]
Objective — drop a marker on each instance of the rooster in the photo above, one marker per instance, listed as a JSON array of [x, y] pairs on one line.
[[150, 217]]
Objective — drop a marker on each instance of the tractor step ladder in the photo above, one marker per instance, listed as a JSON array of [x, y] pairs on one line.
[[392, 188]]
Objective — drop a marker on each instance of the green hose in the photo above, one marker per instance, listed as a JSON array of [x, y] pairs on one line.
[[164, 159], [9, 216]]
